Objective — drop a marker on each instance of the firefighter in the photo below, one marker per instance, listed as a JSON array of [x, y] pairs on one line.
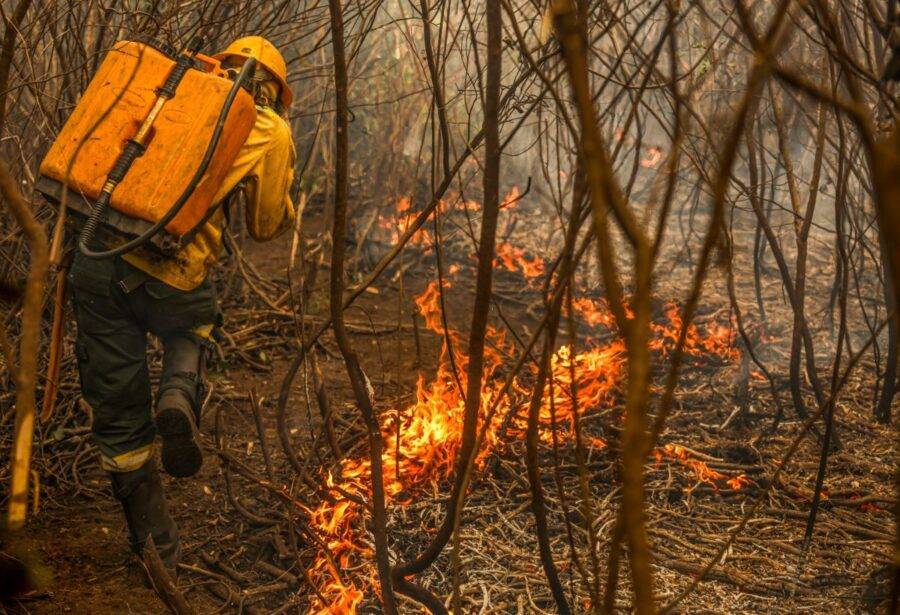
[[118, 301]]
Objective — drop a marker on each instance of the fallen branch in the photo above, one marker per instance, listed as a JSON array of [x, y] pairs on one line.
[[162, 581]]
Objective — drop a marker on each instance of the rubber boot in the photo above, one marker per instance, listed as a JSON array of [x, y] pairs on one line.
[[147, 513], [178, 406]]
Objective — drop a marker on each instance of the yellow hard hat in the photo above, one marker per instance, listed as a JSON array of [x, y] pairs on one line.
[[267, 55]]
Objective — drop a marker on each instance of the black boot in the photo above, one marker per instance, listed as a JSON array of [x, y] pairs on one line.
[[146, 512], [178, 405], [181, 453]]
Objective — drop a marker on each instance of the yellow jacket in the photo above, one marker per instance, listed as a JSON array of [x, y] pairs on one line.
[[266, 164]]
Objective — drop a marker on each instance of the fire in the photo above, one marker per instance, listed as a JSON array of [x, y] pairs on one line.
[[398, 221], [430, 429], [512, 197], [654, 155], [594, 313], [718, 340], [701, 471], [738, 482], [515, 259], [403, 218]]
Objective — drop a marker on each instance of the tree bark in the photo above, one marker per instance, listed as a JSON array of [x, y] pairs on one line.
[[354, 371], [486, 249], [25, 373]]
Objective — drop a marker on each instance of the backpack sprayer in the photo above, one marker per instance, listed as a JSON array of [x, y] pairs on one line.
[[148, 146]]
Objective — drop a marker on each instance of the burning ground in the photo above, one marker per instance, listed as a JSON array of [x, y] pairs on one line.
[[424, 437], [262, 535]]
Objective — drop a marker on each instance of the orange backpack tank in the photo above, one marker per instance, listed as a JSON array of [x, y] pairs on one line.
[[110, 113]]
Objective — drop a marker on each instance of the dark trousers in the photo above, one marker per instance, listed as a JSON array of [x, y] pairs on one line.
[[116, 306]]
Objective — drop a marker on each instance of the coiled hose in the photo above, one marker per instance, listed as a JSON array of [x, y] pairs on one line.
[[133, 150]]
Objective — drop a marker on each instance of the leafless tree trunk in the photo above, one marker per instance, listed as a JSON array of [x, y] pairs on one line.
[[358, 379]]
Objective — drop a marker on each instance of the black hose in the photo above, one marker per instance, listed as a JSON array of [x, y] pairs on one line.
[[102, 202]]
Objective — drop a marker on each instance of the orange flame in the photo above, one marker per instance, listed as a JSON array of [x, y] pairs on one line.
[[511, 199], [702, 472], [430, 430], [594, 313], [515, 259], [397, 225], [718, 340]]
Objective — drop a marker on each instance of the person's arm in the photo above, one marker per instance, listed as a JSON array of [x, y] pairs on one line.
[[266, 165], [269, 207]]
